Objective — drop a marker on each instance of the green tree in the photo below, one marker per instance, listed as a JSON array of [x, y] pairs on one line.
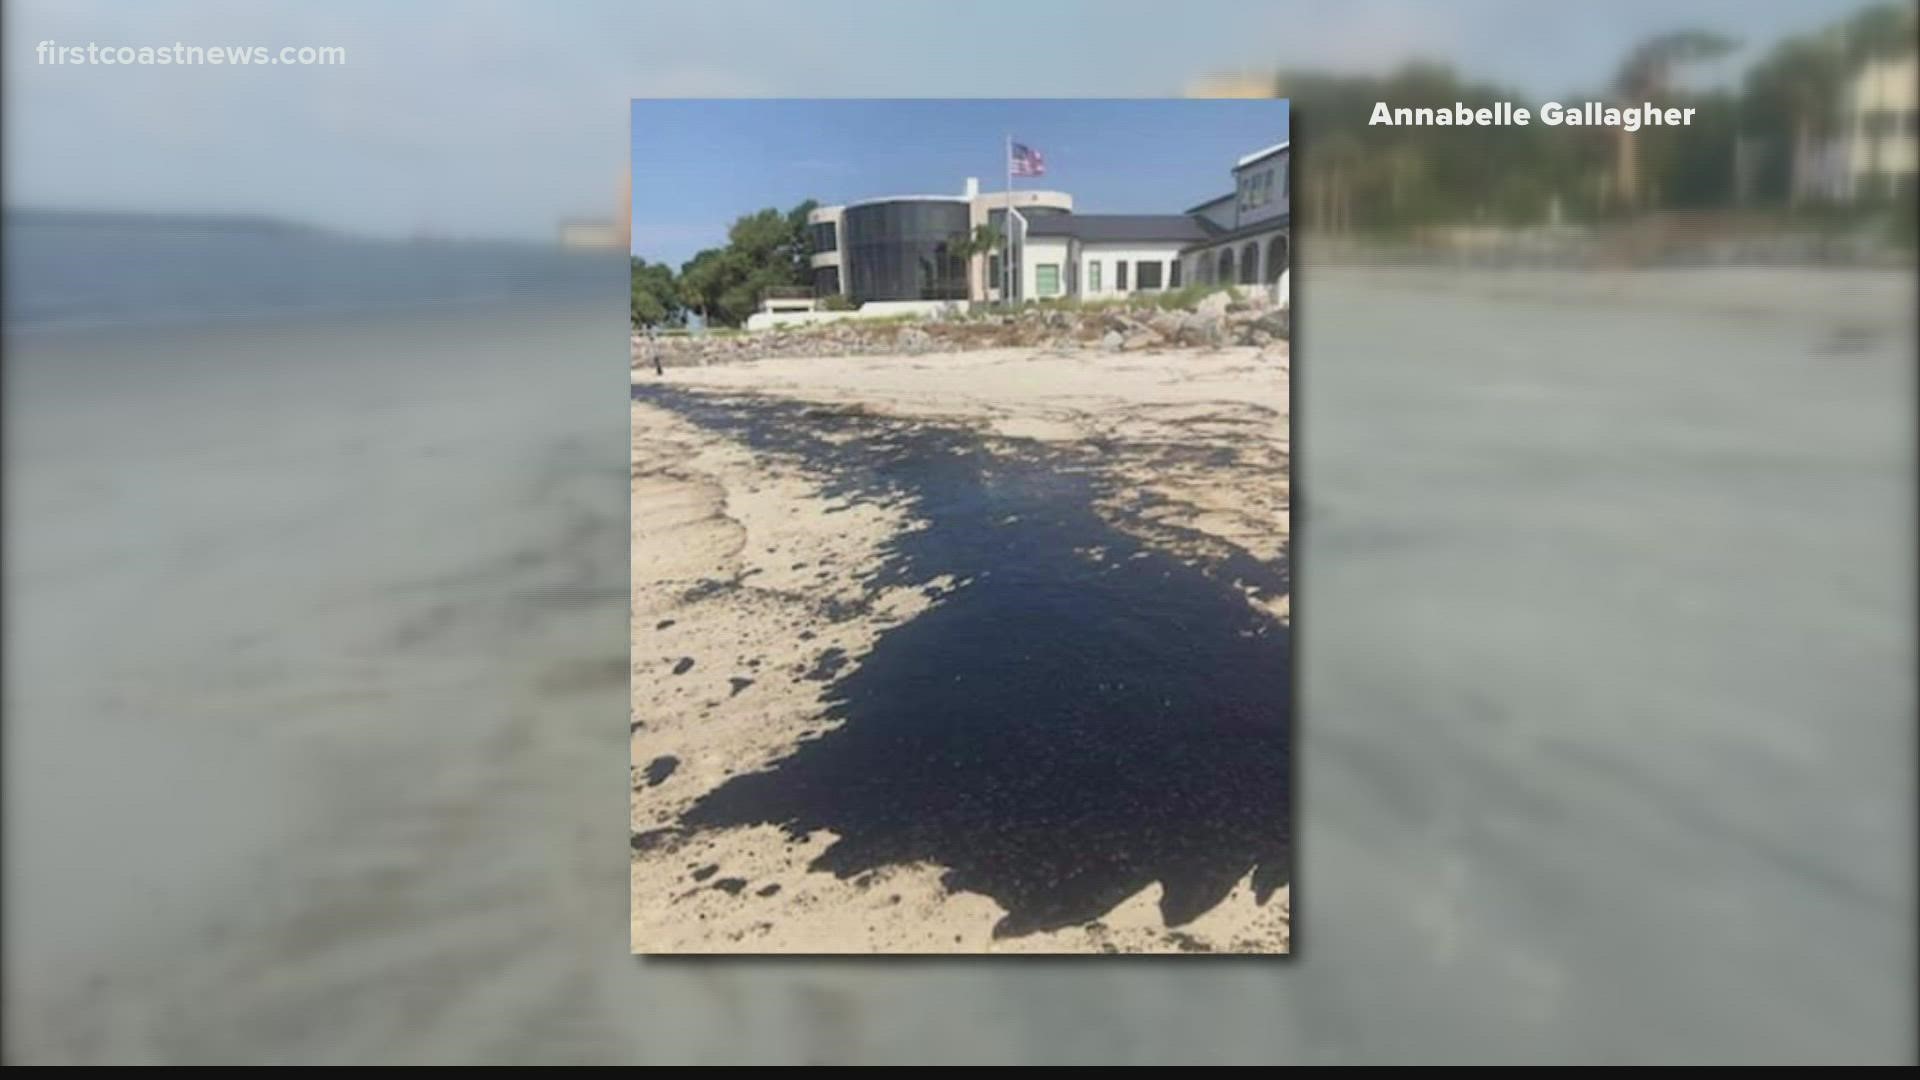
[[798, 250], [654, 298], [1647, 76], [984, 240], [702, 279], [765, 249], [1793, 95], [1880, 32]]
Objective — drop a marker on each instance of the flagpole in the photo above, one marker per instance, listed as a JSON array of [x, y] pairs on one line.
[[1006, 226]]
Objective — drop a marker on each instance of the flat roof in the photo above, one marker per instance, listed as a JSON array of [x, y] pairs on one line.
[[907, 198]]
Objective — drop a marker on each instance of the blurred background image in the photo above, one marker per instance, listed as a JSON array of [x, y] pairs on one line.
[[315, 548]]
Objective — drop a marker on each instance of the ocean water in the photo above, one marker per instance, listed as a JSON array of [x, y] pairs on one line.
[[316, 688], [68, 271]]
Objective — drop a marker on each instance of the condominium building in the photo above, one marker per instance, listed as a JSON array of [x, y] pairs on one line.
[[1880, 141]]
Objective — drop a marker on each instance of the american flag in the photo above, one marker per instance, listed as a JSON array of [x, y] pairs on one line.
[[1026, 161]]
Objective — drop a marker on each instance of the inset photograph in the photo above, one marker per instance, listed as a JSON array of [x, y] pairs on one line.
[[960, 527]]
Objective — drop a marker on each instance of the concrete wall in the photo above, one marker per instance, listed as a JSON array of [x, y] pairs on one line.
[[1276, 167], [978, 287], [1042, 249], [832, 215], [1109, 254], [1192, 274], [877, 309]]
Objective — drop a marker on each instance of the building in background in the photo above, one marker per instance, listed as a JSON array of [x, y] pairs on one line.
[[1234, 85], [586, 235], [916, 247], [1250, 228], [1880, 139], [1097, 256]]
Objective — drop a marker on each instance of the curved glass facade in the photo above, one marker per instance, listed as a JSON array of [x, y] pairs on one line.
[[902, 250]]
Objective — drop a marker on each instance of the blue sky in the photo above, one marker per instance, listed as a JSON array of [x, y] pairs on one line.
[[498, 118], [698, 165]]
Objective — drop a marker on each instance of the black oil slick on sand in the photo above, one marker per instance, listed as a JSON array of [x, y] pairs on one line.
[[1059, 730]]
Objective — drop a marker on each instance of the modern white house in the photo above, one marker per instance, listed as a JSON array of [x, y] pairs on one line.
[[1249, 230], [1105, 255], [903, 248]]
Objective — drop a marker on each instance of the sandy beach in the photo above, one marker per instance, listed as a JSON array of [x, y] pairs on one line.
[[788, 534]]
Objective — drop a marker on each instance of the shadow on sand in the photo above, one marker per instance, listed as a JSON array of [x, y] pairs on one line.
[[1059, 731]]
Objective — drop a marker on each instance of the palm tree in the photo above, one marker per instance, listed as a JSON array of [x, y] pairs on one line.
[[1647, 74], [985, 240]]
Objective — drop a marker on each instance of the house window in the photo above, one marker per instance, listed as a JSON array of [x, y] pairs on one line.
[[1120, 276], [993, 272], [1174, 281], [1149, 274], [1046, 279], [1093, 276]]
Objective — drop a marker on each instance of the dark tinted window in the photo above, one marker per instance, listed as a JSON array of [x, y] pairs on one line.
[[826, 281], [1174, 281], [1120, 275], [1149, 273], [821, 236], [903, 250]]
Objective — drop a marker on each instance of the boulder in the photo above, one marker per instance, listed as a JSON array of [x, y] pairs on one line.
[[1277, 322], [1213, 304]]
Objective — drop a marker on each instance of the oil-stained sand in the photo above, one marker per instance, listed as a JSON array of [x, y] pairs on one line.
[[994, 672]]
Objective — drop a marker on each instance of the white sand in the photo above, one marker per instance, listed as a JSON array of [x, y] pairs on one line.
[[706, 509]]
